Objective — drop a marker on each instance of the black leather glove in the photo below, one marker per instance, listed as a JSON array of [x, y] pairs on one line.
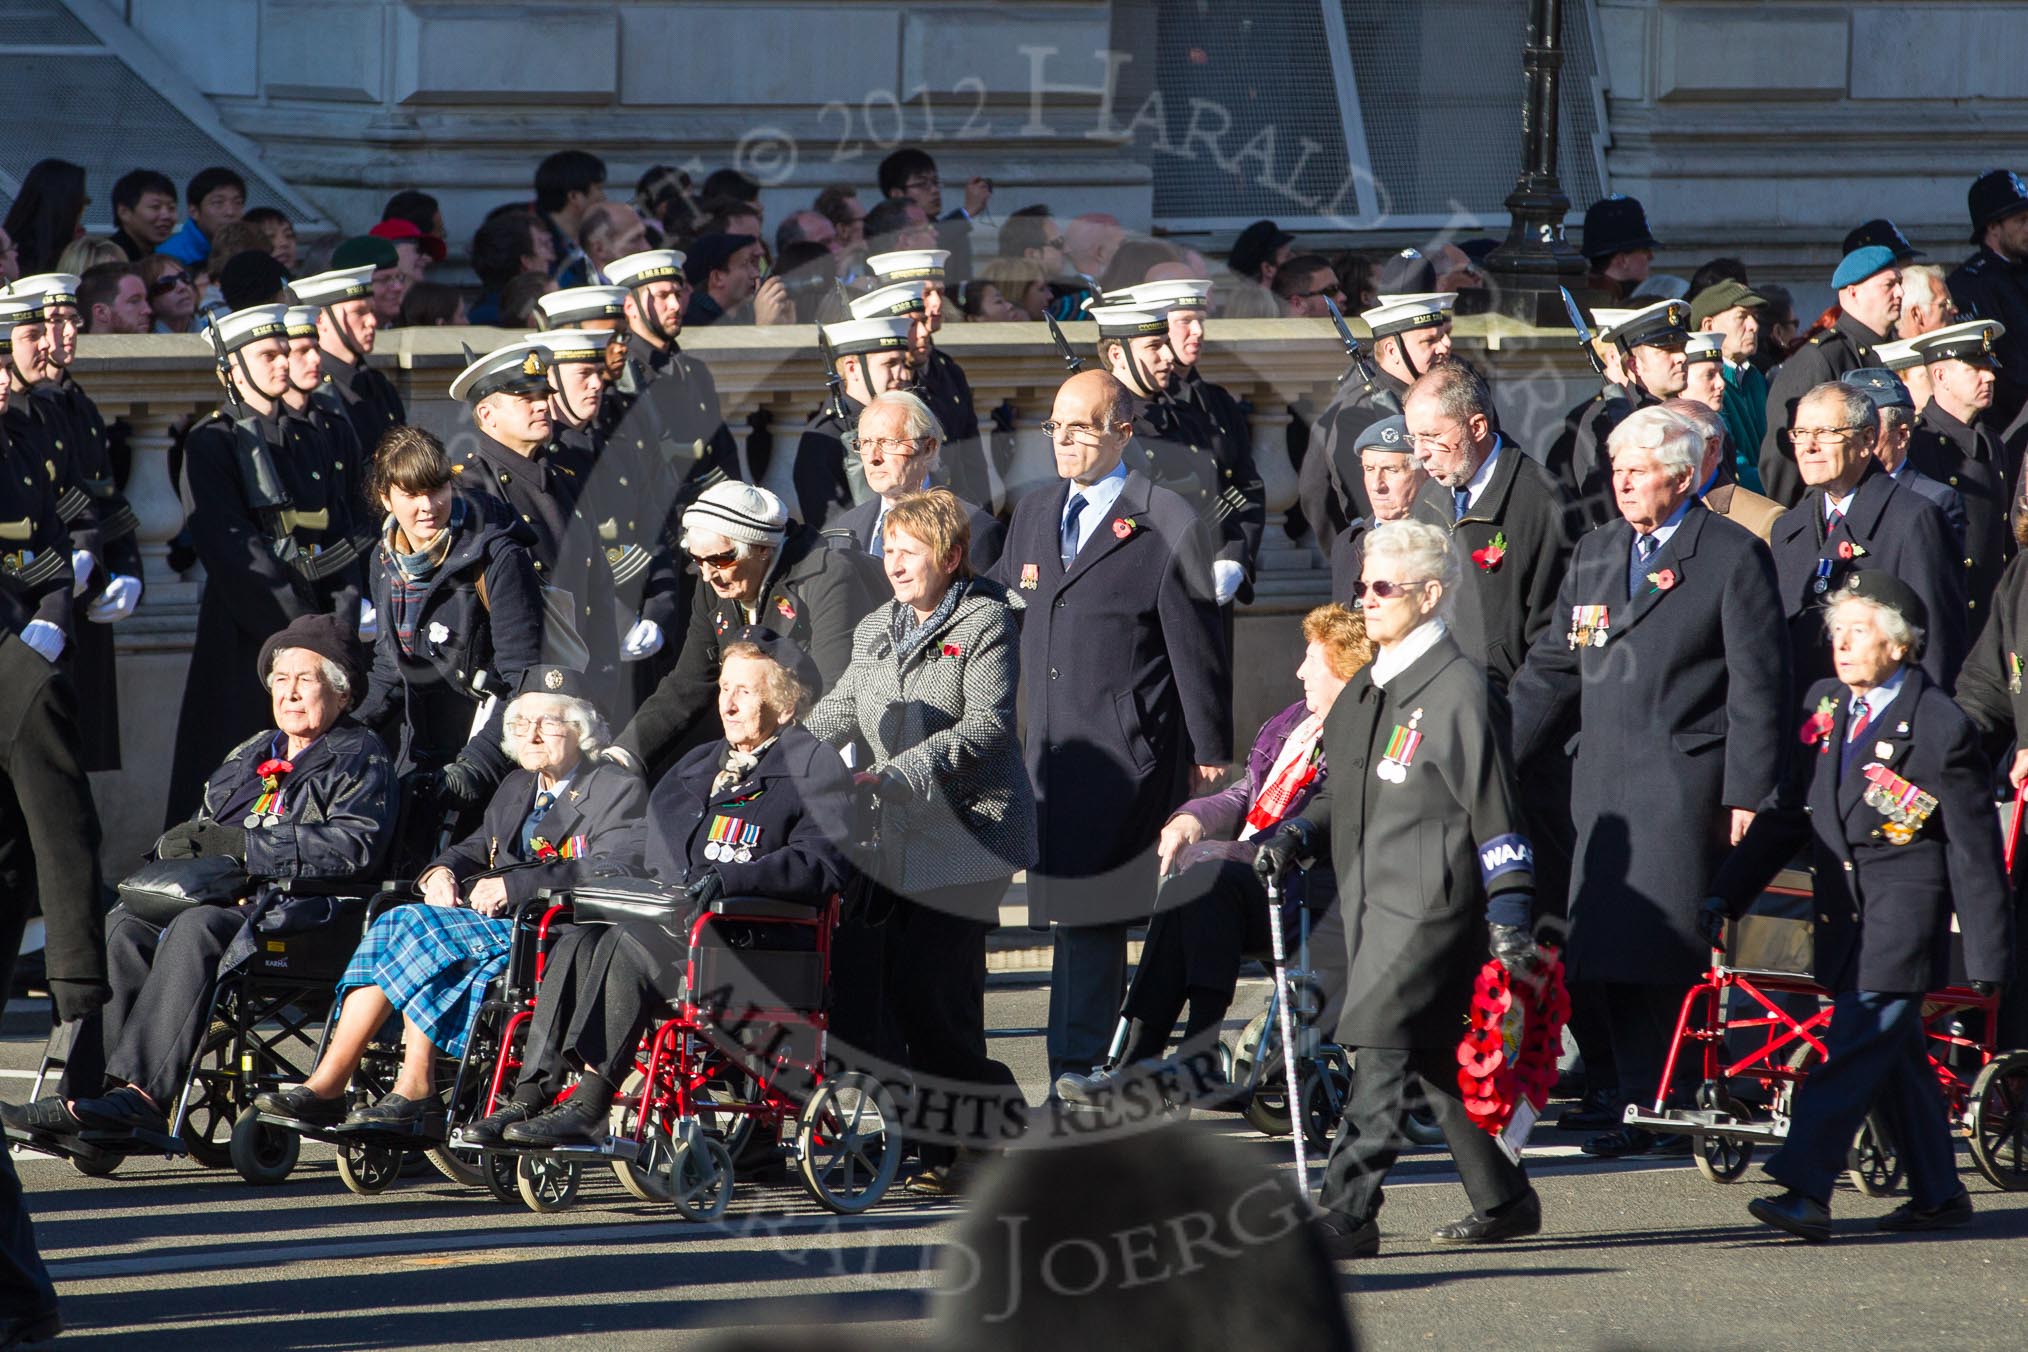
[[708, 888], [216, 838], [178, 842], [894, 789], [463, 783], [1985, 988], [1280, 851], [1513, 945], [1711, 921], [421, 787]]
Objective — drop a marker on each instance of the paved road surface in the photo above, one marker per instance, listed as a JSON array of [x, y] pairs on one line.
[[1633, 1256]]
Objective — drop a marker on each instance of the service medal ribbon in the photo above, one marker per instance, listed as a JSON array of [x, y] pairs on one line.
[[1401, 747]]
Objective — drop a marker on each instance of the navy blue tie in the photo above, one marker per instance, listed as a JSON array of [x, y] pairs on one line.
[[1637, 574], [1069, 550], [543, 802], [1463, 497]]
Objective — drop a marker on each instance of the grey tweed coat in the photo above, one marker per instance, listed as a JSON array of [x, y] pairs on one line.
[[944, 720]]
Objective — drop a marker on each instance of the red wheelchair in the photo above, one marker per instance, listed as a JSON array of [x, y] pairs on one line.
[[1757, 1021], [741, 1056]]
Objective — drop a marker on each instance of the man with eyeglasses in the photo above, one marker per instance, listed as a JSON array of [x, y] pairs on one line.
[[1303, 283], [939, 379], [1126, 696], [1653, 343], [1868, 283], [102, 524], [900, 446], [1411, 332], [909, 174], [517, 460], [756, 566], [871, 353], [1952, 444], [1669, 662], [1176, 445], [1853, 517]]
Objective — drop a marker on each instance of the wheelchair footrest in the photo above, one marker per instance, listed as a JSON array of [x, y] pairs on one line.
[[427, 1132], [612, 1148], [93, 1145], [1703, 1122]]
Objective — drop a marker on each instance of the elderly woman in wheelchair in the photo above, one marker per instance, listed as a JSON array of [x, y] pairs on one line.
[[763, 811], [564, 816], [308, 805]]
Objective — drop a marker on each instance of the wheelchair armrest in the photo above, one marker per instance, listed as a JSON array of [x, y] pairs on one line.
[[393, 893], [764, 908]]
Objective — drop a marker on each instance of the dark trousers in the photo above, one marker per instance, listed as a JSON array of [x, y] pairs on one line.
[[1208, 918], [1087, 980], [24, 1283], [163, 980], [1876, 1055], [1369, 1137], [1641, 1021], [573, 983], [935, 953]]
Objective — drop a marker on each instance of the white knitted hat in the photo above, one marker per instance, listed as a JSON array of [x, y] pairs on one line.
[[740, 512]]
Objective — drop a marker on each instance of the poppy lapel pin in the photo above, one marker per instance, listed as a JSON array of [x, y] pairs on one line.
[[1124, 527], [1662, 579], [1495, 550]]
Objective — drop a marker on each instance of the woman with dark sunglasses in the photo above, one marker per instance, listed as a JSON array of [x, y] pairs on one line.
[[172, 293]]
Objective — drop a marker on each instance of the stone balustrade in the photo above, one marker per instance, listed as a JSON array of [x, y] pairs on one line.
[[774, 379]]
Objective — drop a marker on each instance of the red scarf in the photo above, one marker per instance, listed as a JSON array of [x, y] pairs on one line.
[[1294, 769]]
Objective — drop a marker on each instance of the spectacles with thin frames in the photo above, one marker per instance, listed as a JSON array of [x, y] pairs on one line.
[[551, 725], [1830, 436], [901, 447], [1078, 431]]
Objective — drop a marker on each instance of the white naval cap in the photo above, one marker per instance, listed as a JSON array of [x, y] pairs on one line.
[[256, 322], [334, 287], [520, 368], [574, 305], [572, 345], [48, 288], [900, 298], [1898, 355], [1705, 347], [301, 320], [649, 265], [1401, 311], [1128, 321], [909, 265], [886, 333], [1183, 293]]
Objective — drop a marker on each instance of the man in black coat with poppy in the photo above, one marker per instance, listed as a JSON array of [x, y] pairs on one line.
[[1854, 517], [1126, 690]]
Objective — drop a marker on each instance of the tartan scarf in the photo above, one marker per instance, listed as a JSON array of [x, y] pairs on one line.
[[1295, 766]]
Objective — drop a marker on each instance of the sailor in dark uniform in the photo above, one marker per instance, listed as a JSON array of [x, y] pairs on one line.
[[870, 356], [312, 411], [273, 525], [1891, 449], [1185, 303], [1993, 282], [1411, 332], [346, 329], [56, 417], [939, 379], [1953, 444], [686, 428], [1654, 351], [516, 459], [1172, 443], [1868, 283], [1893, 798]]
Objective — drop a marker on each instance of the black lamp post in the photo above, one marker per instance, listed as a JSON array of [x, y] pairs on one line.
[[1535, 259]]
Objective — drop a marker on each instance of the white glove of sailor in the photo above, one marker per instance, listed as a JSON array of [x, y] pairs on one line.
[[369, 621], [117, 601], [642, 641], [1226, 575], [45, 638], [81, 565]]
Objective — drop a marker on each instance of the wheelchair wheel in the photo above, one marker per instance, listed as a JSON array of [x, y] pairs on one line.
[[499, 1177], [369, 1170], [700, 1175], [848, 1143], [1325, 1084], [263, 1154], [98, 1164], [1873, 1164], [546, 1182], [1721, 1159], [212, 1117], [1998, 1114], [465, 1167], [1267, 1110]]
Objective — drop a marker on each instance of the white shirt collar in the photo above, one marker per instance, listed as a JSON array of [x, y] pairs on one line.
[[1391, 662], [1878, 698], [1840, 505], [1484, 474], [1668, 528], [556, 794], [1098, 501]]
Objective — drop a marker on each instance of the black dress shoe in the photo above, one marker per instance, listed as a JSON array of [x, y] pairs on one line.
[[1943, 1216], [393, 1110], [1523, 1216], [576, 1121], [25, 1331], [1620, 1143], [1598, 1110], [125, 1109], [299, 1103], [1345, 1241], [487, 1130], [48, 1115], [1674, 1145], [1804, 1217]]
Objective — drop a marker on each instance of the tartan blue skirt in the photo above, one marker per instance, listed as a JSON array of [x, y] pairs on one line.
[[434, 963]]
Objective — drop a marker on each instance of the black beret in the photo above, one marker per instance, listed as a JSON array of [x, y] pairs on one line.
[[252, 278], [1885, 589], [784, 653], [1257, 245], [543, 680], [326, 636]]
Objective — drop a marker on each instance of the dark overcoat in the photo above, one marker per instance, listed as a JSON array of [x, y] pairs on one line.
[[369, 398], [1680, 715], [1126, 683], [1330, 487], [595, 828], [1993, 684], [797, 801], [1971, 461], [1179, 448], [853, 528], [1419, 858], [1884, 910], [1888, 527]]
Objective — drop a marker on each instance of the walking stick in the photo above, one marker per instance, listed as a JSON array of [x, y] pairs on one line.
[[1274, 899]]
